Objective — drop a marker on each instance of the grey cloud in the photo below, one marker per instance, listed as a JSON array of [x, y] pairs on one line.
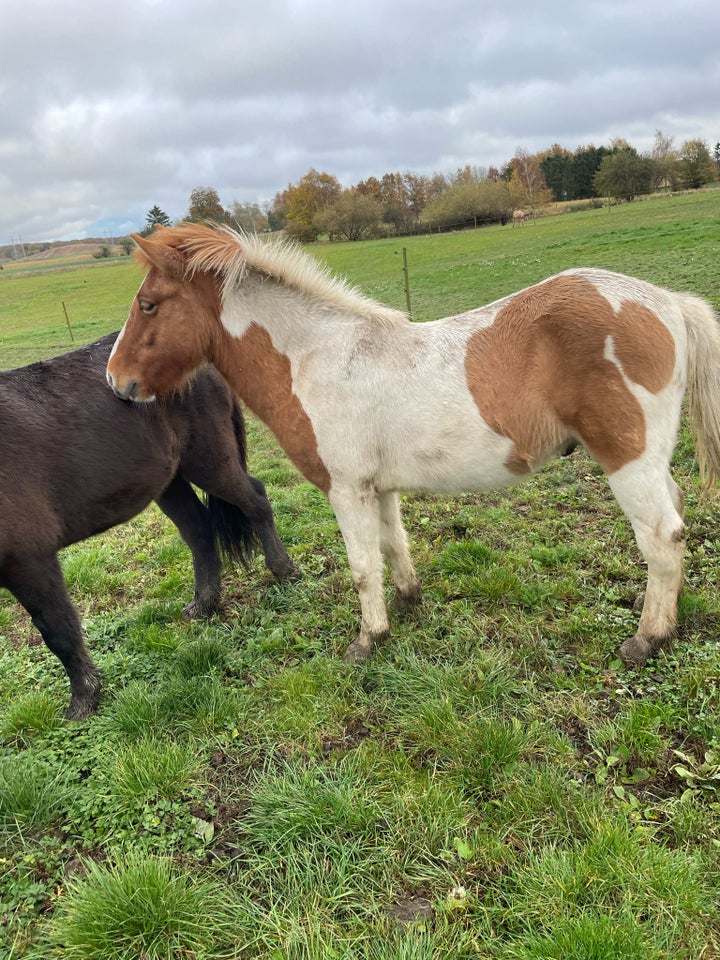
[[105, 115]]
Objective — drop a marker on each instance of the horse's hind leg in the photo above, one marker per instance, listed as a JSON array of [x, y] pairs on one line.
[[394, 545], [257, 507], [180, 503], [38, 585], [653, 504], [231, 484]]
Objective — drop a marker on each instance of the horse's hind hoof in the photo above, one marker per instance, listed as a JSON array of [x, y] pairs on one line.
[[196, 610], [289, 571], [362, 648], [636, 651]]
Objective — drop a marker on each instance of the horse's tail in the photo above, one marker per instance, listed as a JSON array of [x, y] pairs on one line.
[[703, 384], [234, 533]]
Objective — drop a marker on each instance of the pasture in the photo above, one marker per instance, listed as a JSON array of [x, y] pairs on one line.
[[493, 783]]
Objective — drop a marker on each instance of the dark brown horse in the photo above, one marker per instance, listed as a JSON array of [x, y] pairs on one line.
[[75, 460]]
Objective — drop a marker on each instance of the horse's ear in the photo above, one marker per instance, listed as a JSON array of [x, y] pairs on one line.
[[167, 259]]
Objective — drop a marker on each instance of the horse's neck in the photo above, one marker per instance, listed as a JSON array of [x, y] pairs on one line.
[[266, 331], [257, 351], [293, 321]]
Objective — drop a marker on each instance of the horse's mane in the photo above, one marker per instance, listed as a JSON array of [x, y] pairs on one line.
[[231, 254]]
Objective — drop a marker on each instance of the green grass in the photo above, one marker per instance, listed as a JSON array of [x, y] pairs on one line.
[[493, 783]]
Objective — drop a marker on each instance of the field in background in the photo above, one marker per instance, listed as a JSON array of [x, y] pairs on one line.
[[671, 240], [492, 784]]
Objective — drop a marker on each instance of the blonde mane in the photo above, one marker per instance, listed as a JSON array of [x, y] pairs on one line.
[[231, 254]]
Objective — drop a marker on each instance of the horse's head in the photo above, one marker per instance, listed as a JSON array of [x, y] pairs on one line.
[[170, 329]]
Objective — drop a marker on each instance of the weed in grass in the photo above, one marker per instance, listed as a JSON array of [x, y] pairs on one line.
[[665, 892], [143, 907], [201, 704], [92, 571], [153, 638], [204, 656], [591, 936], [338, 838], [7, 617], [136, 710], [309, 703], [31, 715], [543, 804], [147, 769], [33, 795]]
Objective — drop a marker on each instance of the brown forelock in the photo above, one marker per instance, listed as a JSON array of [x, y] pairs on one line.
[[194, 245], [539, 374], [162, 350], [262, 377]]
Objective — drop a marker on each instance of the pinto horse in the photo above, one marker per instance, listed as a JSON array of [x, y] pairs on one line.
[[367, 403], [75, 461]]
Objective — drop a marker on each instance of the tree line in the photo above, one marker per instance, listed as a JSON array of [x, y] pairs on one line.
[[406, 203]]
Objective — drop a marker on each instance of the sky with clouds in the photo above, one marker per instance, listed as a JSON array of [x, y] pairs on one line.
[[107, 109]]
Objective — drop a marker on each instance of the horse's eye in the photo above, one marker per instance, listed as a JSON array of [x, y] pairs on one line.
[[147, 307]]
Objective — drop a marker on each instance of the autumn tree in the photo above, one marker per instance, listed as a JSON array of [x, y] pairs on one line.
[[527, 182], [296, 206], [205, 205], [469, 202], [695, 165], [403, 197], [247, 216], [354, 216]]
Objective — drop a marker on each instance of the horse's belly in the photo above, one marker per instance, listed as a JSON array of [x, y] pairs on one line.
[[475, 460], [450, 475]]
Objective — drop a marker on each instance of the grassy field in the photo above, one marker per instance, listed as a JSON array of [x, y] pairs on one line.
[[492, 784]]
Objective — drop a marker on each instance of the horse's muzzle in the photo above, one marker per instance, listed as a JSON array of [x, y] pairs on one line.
[[128, 390]]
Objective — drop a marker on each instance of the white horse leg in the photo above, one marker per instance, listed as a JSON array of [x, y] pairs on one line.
[[358, 515], [394, 545], [653, 503]]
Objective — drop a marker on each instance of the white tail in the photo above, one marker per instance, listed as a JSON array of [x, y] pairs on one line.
[[703, 388]]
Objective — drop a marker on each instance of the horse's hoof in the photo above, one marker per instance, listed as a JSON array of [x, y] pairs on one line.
[[359, 650], [84, 705], [362, 648], [289, 571], [634, 652], [196, 610], [403, 603]]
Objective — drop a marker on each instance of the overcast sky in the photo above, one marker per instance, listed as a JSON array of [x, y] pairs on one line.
[[107, 108]]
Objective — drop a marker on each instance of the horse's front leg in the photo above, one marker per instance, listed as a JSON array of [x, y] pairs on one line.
[[394, 545], [358, 515]]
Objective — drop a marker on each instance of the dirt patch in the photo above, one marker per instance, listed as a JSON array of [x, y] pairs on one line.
[[412, 909]]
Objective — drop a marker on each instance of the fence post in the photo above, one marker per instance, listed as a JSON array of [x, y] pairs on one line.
[[67, 320], [407, 281]]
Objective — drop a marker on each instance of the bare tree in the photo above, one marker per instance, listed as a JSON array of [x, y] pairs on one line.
[[664, 161]]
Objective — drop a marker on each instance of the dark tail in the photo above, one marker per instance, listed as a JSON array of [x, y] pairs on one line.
[[234, 533]]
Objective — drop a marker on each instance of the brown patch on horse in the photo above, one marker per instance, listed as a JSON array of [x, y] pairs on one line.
[[539, 374], [262, 376]]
